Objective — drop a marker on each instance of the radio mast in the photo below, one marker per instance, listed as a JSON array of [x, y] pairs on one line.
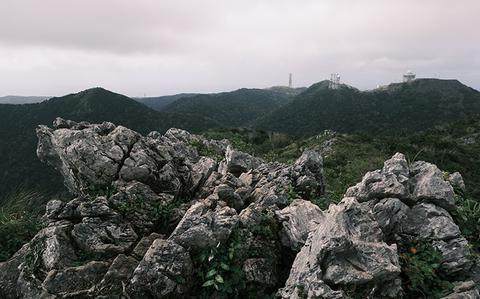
[[334, 81]]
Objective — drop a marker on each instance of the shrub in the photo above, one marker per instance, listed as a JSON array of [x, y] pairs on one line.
[[219, 269], [421, 266], [268, 226]]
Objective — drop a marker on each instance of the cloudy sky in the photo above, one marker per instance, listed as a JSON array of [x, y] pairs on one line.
[[157, 47]]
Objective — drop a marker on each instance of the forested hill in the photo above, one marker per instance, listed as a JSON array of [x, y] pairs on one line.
[[412, 106], [237, 108]]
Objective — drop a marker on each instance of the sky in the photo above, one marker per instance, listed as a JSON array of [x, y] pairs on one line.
[[160, 47]]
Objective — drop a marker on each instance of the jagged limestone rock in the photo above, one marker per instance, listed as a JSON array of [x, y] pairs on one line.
[[345, 248], [464, 290], [456, 180], [164, 271], [9, 272], [204, 226], [298, 219], [430, 185], [75, 279], [237, 162], [148, 206], [260, 271], [95, 235], [117, 276]]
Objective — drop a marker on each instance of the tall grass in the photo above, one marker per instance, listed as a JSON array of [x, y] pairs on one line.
[[20, 213]]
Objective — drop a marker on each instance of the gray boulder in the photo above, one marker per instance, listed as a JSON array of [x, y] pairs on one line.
[[456, 180], [237, 162], [75, 280], [430, 185], [95, 235], [345, 249], [165, 271], [204, 226], [297, 220]]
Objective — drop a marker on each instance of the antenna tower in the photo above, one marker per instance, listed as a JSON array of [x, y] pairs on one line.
[[334, 81], [290, 80]]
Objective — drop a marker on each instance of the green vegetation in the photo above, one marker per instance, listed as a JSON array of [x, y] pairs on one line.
[[301, 292], [268, 226], [19, 219], [219, 269], [410, 107], [204, 150], [161, 211], [467, 216], [420, 264], [20, 166], [237, 108]]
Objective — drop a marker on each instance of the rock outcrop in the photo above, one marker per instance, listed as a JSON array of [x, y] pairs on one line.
[[358, 243], [154, 218]]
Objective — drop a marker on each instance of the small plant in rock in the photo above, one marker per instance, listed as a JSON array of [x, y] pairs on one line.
[[421, 266], [219, 269], [163, 212], [204, 150], [292, 194], [268, 226], [132, 205], [301, 291]]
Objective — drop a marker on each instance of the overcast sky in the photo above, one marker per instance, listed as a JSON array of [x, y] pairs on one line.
[[158, 47]]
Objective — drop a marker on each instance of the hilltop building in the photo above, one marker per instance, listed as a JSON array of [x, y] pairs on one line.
[[408, 76]]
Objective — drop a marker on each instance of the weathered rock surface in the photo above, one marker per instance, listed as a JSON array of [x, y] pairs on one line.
[[203, 227], [298, 219], [165, 270], [356, 243], [151, 213], [346, 248]]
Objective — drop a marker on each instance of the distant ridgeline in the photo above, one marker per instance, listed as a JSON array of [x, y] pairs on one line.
[[413, 106]]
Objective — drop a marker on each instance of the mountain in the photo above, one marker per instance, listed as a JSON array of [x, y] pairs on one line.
[[412, 106], [21, 100], [415, 106], [19, 165], [158, 103], [237, 108]]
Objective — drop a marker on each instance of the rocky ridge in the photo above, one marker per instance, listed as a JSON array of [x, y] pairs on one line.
[[159, 216]]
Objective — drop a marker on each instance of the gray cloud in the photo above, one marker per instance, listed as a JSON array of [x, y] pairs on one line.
[[159, 47]]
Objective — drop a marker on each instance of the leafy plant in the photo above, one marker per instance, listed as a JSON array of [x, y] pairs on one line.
[[421, 266], [219, 269], [292, 194], [163, 212], [301, 291], [268, 226], [467, 216]]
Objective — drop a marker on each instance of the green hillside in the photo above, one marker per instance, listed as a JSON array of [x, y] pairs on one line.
[[232, 109], [413, 106], [158, 103]]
